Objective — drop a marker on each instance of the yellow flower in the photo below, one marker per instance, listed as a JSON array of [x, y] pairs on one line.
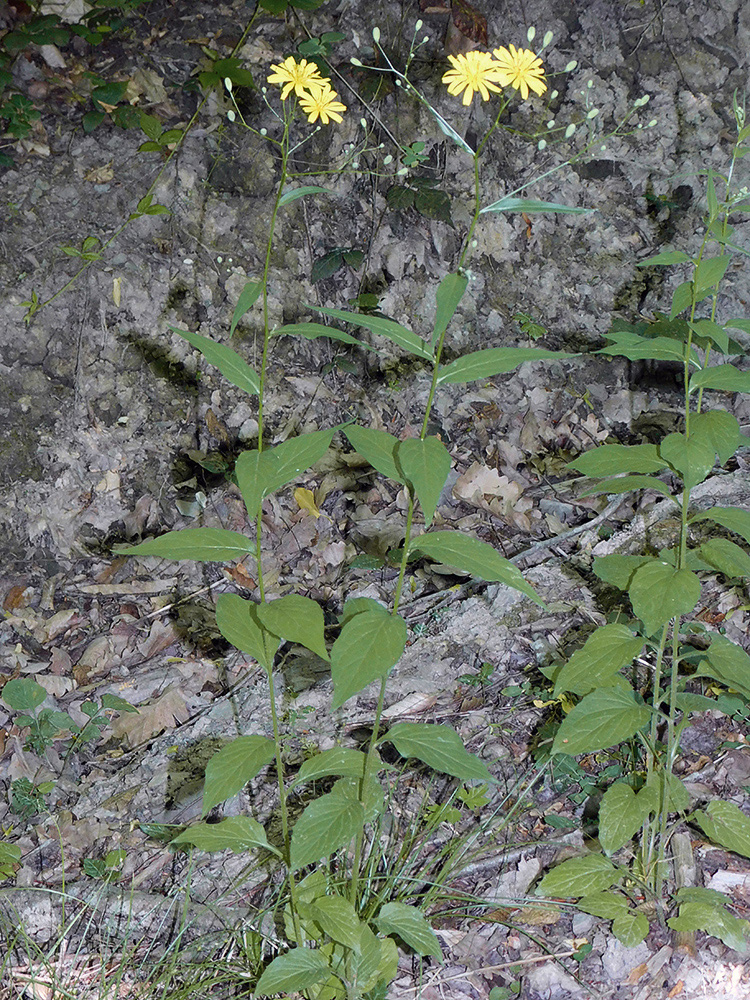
[[301, 77], [476, 71], [322, 103], [520, 68]]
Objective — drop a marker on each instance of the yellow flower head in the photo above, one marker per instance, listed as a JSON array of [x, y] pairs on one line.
[[473, 72], [322, 103], [301, 77], [520, 68]]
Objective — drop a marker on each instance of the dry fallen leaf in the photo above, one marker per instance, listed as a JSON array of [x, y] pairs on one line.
[[166, 712], [306, 501]]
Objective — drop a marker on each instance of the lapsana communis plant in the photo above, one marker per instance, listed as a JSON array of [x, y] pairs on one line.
[[344, 939]]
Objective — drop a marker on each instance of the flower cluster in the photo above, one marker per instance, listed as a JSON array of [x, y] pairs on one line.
[[316, 96], [480, 72]]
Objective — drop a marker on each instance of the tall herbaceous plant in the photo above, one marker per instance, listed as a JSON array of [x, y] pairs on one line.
[[342, 937]]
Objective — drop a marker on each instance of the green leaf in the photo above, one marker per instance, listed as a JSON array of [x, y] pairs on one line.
[[682, 299], [720, 430], [636, 348], [297, 619], [425, 464], [409, 924], [470, 555], [493, 361], [665, 257], [710, 271], [201, 544], [233, 766], [238, 833], [707, 329], [726, 557], [626, 484], [619, 570], [294, 193], [448, 130], [327, 825], [725, 378], [600, 720], [630, 928], [339, 761], [247, 299], [596, 664], [338, 919], [579, 877], [399, 197], [313, 330], [622, 813], [22, 694], [671, 794], [365, 962], [297, 970], [735, 519], [261, 473], [230, 364], [612, 459], [438, 746], [396, 333], [378, 447], [368, 646], [700, 915], [693, 457], [326, 266], [726, 825], [607, 905], [728, 663], [371, 795], [449, 293], [531, 206], [239, 623], [659, 592]]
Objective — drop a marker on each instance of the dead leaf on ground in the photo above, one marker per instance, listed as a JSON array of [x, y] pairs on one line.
[[167, 712]]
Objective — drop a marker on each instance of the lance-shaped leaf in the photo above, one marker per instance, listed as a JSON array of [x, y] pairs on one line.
[[233, 766], [201, 544], [238, 834], [627, 484], [619, 570], [261, 473], [600, 720], [248, 297], [340, 761], [692, 456], [311, 331], [532, 206], [230, 364], [368, 646], [438, 746], [727, 663], [239, 623], [450, 292], [710, 271], [613, 459], [378, 447], [328, 824], [297, 619], [425, 463], [409, 924], [726, 825], [622, 813], [664, 258], [494, 361], [726, 557], [598, 661], [396, 333], [473, 556], [725, 378], [579, 877], [301, 192], [636, 348], [735, 519], [297, 970], [338, 919], [659, 592], [721, 430]]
